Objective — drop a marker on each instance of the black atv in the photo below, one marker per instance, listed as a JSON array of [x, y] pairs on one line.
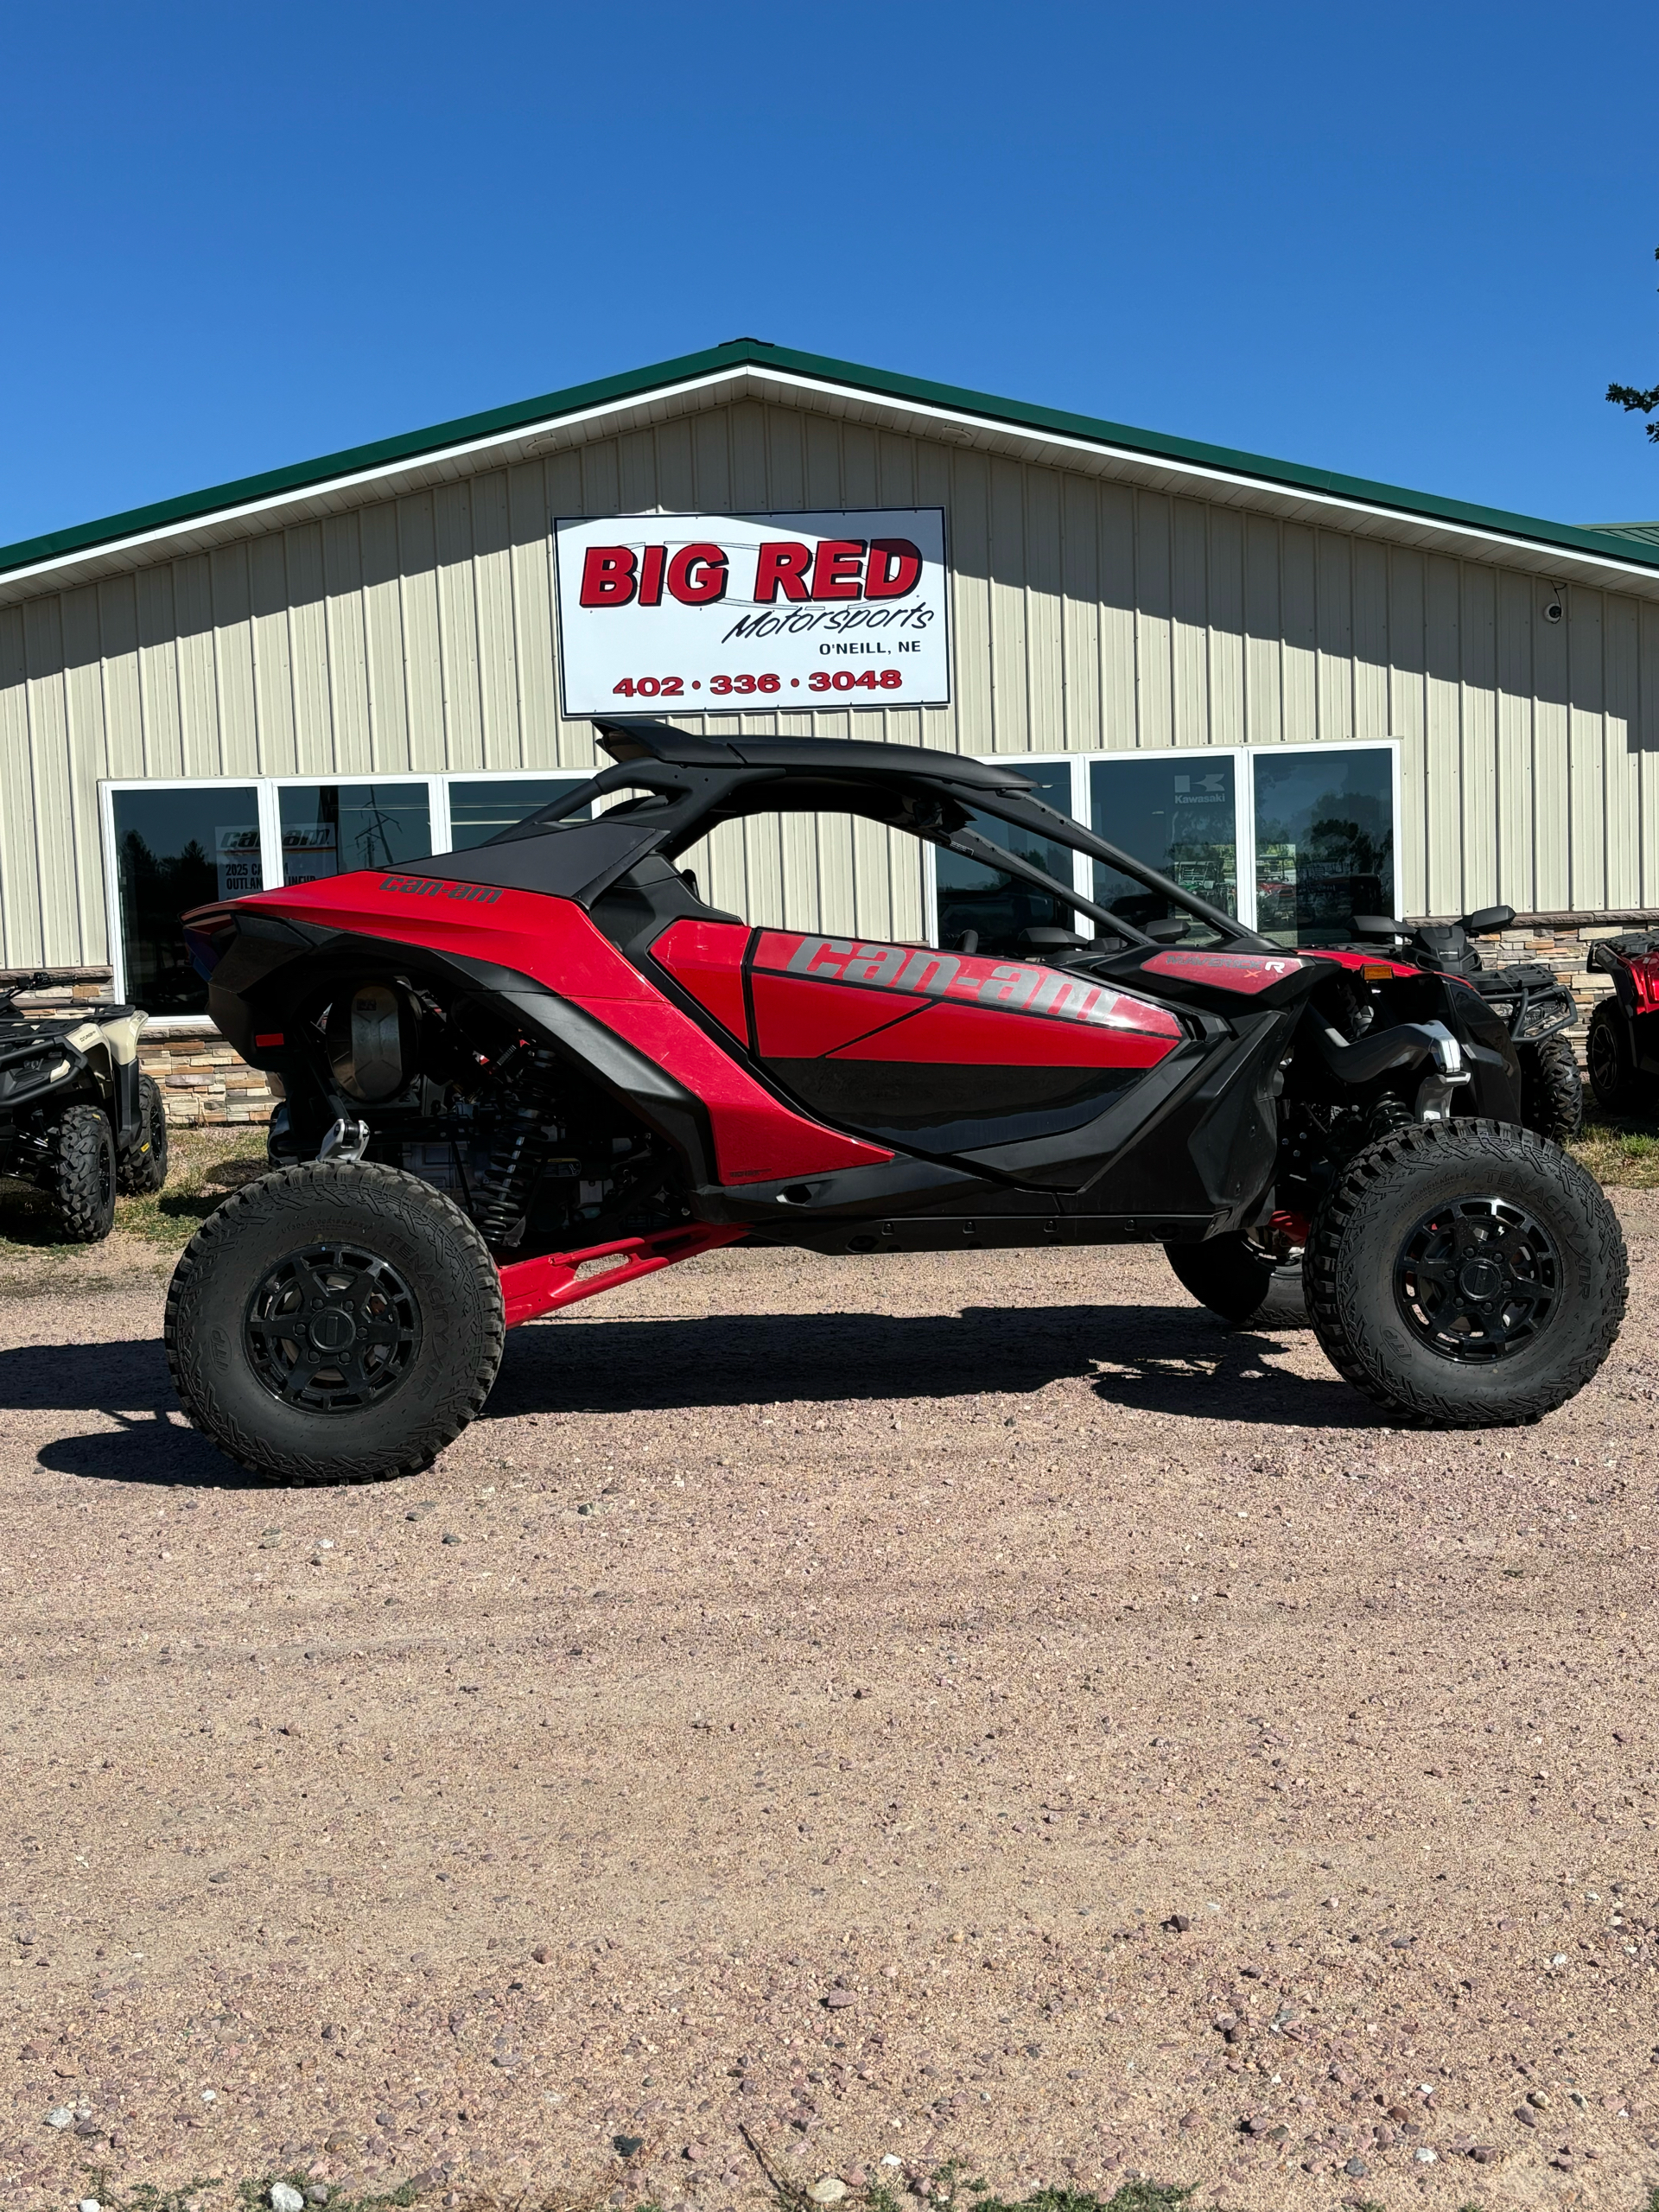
[[78, 1118], [1534, 1007]]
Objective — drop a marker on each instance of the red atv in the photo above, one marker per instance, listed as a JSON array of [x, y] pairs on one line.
[[520, 1074], [1624, 1043]]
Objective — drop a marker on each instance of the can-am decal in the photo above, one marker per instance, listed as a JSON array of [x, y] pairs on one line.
[[1010, 987], [432, 886]]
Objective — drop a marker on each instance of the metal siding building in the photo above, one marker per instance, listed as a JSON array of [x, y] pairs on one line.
[[391, 613]]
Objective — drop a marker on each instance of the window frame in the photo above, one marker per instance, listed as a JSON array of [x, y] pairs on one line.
[[1244, 758], [267, 791]]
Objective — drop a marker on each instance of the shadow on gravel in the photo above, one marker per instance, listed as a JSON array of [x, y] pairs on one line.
[[1161, 1359], [128, 1382], [1167, 1359]]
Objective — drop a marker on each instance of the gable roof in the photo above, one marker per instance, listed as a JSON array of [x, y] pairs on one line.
[[1648, 532], [1623, 556]]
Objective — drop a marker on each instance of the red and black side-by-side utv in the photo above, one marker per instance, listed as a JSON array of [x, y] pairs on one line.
[[520, 1074]]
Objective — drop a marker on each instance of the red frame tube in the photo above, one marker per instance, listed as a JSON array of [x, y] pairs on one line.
[[543, 1284]]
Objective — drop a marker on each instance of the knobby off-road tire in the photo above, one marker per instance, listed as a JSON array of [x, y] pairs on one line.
[[1607, 1054], [1466, 1274], [141, 1168], [1552, 1090], [1242, 1283], [79, 1175], [334, 1322]]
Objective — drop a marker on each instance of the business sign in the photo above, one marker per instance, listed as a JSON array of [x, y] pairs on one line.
[[722, 614]]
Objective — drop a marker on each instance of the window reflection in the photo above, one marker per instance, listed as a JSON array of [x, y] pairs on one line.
[[1324, 842], [176, 849], [1000, 908], [1180, 816], [479, 811], [331, 829]]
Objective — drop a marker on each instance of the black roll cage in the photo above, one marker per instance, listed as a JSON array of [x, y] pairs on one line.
[[932, 805]]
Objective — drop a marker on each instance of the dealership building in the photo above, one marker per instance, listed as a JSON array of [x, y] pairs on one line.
[[1298, 693]]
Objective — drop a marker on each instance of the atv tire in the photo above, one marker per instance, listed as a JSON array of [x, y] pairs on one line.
[[78, 1175], [1237, 1279], [334, 1322], [142, 1168], [1466, 1274], [1607, 1055], [1552, 1090]]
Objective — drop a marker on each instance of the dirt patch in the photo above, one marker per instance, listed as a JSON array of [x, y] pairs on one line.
[[150, 1232], [944, 1705]]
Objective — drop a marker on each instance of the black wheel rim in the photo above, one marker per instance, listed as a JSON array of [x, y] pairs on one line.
[[333, 1329], [1478, 1281]]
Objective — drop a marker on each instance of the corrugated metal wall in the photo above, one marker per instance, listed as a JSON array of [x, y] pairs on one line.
[[419, 634]]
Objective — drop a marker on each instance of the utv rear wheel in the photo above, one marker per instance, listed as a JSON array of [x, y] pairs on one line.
[[333, 1323], [1552, 1090], [79, 1175], [142, 1168], [1465, 1274], [1613, 1073], [1235, 1279]]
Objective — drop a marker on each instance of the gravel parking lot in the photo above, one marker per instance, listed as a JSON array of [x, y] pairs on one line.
[[968, 1704]]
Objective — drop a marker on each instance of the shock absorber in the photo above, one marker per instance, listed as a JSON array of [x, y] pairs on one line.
[[503, 1190]]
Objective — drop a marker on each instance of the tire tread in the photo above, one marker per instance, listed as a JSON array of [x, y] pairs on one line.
[[1332, 1306], [472, 1271]]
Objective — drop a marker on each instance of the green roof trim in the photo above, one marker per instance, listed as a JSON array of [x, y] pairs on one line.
[[1630, 543]]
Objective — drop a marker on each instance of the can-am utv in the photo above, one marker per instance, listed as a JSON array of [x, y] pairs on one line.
[[508, 1067]]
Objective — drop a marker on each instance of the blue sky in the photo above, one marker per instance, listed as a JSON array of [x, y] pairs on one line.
[[1412, 243]]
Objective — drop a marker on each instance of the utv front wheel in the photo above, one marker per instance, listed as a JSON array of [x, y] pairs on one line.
[[334, 1323], [79, 1175], [1235, 1279], [1465, 1274], [142, 1168], [1552, 1090]]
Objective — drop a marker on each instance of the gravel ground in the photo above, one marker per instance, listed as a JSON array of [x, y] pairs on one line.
[[976, 1705]]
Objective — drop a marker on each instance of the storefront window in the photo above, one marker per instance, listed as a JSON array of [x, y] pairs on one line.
[[1180, 816], [479, 811], [1323, 842], [998, 908], [176, 849], [330, 829]]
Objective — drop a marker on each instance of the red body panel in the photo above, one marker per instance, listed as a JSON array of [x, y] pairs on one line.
[[971, 1037], [1245, 972], [757, 1139], [797, 1021], [706, 959]]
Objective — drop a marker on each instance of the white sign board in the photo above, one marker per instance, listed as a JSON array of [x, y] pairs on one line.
[[718, 613]]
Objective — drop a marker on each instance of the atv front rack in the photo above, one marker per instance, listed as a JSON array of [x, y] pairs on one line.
[[532, 1287]]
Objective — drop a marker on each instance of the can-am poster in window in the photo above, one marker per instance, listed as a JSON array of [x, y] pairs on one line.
[[733, 613]]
